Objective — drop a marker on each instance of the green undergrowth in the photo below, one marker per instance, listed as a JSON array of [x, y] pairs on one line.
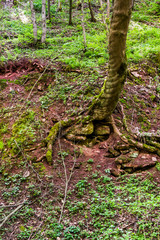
[[147, 11], [23, 134], [71, 87], [66, 42], [101, 209]]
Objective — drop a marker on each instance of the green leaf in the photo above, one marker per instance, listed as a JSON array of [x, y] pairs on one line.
[[1, 145]]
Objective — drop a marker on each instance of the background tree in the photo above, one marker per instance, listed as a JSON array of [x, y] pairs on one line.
[[70, 12], [33, 16], [44, 27], [49, 10], [93, 19]]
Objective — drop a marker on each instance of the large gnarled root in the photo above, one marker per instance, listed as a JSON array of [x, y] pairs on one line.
[[50, 140], [83, 130], [152, 147], [56, 129]]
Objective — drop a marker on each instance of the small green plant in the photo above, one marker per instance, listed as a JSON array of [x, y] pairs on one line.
[[90, 161]]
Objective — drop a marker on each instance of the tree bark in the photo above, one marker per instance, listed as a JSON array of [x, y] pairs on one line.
[[103, 105], [43, 21], [83, 26], [108, 8], [102, 11], [49, 10], [33, 16], [70, 12], [91, 11], [59, 6]]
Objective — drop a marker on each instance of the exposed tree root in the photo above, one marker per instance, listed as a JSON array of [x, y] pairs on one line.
[[149, 145], [50, 140], [84, 127]]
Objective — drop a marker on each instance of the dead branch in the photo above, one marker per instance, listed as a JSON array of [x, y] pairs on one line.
[[67, 180], [12, 213]]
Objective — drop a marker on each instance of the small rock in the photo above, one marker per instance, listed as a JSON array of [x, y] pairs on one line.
[[109, 155], [136, 74], [114, 152], [115, 172], [72, 137], [102, 130], [122, 160], [26, 174], [147, 111], [39, 87], [122, 147], [134, 154], [77, 165], [154, 159], [86, 129], [124, 152]]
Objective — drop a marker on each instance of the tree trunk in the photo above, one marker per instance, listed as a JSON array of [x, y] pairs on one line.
[[49, 10], [33, 16], [108, 8], [91, 11], [102, 11], [83, 26], [43, 21], [103, 105], [70, 12], [59, 6]]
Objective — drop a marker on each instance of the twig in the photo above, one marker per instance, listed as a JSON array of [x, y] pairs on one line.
[[67, 180], [6, 219], [15, 205], [32, 236]]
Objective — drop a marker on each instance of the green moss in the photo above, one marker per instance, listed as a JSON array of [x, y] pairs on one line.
[[49, 157], [52, 137], [23, 131], [3, 84], [149, 148]]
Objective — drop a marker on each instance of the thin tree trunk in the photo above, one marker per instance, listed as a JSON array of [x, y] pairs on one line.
[[102, 11], [83, 26], [91, 11], [103, 106], [70, 12], [33, 16], [49, 10], [133, 1], [59, 6], [108, 8], [43, 21]]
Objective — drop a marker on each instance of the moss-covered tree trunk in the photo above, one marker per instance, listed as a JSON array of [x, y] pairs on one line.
[[103, 105]]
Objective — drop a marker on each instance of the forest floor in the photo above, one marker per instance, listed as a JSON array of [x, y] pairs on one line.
[[105, 191]]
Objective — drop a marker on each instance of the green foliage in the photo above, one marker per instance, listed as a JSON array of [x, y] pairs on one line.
[[147, 11], [24, 234], [23, 131], [143, 42]]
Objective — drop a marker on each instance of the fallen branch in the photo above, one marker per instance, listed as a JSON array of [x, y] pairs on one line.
[[12, 213], [12, 205]]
